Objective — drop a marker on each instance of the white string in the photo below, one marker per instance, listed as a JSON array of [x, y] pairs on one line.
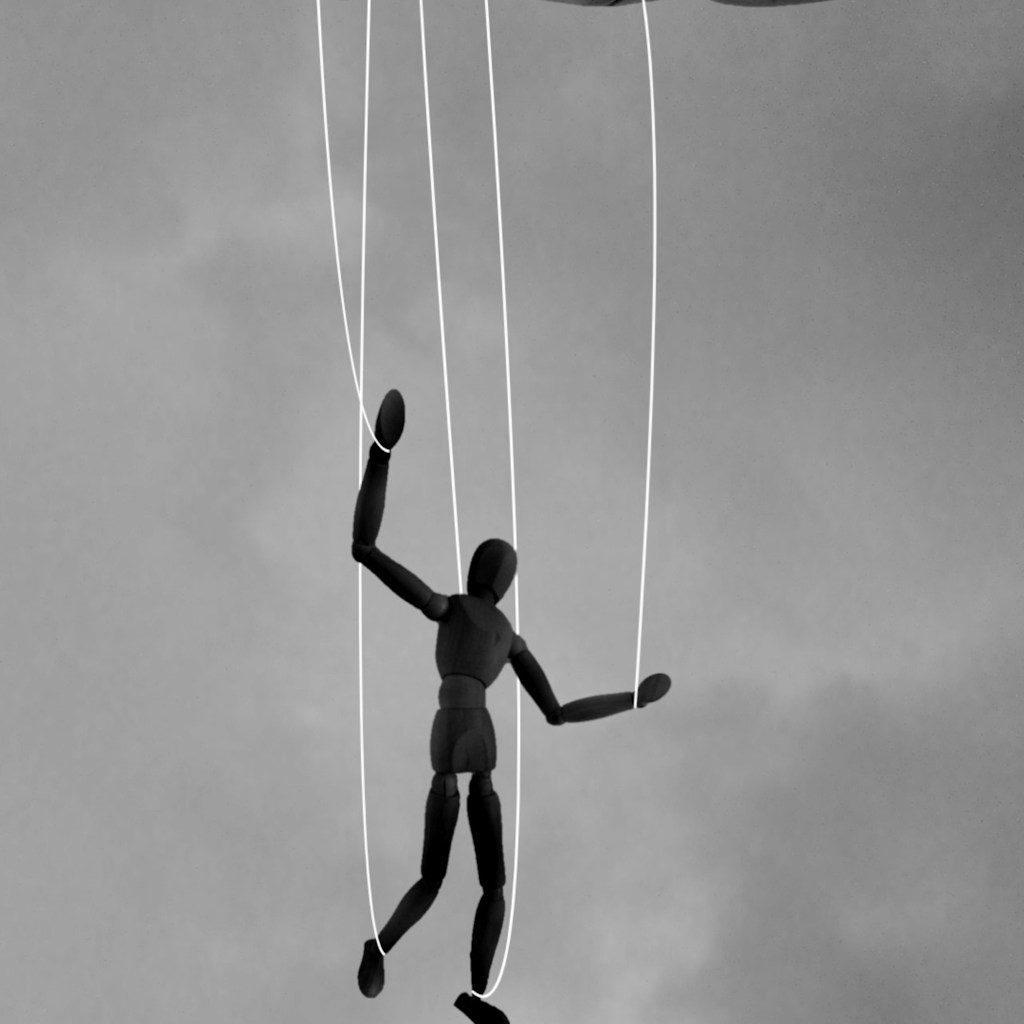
[[512, 480], [362, 748], [358, 378], [359, 574], [654, 307], [334, 220], [440, 300]]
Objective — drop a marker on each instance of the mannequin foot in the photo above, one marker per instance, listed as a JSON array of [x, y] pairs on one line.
[[390, 419], [478, 1011], [371, 970], [653, 688]]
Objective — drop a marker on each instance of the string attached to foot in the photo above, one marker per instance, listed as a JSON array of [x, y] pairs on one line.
[[654, 309], [358, 379], [512, 481]]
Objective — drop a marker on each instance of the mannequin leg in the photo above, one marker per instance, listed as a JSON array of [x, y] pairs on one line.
[[485, 824], [441, 814]]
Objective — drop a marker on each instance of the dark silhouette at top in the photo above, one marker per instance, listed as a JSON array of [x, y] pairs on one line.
[[731, 3]]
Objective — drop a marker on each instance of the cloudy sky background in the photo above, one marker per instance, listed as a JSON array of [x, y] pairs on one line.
[[822, 824]]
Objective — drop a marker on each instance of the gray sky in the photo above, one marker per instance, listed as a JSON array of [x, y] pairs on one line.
[[822, 822]]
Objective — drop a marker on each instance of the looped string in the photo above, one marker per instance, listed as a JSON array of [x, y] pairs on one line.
[[440, 301], [654, 310], [512, 482], [356, 377]]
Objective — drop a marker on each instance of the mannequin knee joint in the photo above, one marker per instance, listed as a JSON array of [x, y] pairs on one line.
[[432, 883], [445, 784]]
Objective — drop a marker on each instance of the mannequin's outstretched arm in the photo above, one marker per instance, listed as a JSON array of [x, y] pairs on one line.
[[534, 681], [536, 684], [370, 512]]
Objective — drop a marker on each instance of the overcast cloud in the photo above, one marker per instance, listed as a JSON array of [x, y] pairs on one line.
[[822, 823]]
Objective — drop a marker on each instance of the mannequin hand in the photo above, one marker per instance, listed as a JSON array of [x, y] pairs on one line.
[[390, 419], [653, 688]]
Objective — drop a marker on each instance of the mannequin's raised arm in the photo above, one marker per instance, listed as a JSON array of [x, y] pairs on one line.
[[406, 584], [370, 513]]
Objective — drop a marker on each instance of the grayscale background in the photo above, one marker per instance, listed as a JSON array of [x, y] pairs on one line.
[[823, 822]]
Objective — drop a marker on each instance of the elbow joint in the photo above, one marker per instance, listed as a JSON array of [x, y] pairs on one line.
[[361, 552]]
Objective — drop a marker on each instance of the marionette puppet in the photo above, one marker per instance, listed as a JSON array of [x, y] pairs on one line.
[[474, 642]]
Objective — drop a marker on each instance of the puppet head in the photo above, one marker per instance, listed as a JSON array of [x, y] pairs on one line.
[[492, 569]]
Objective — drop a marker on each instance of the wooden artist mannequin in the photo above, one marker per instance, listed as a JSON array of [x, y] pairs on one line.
[[474, 642]]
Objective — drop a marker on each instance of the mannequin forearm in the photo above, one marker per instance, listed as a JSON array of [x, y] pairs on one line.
[[588, 708]]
